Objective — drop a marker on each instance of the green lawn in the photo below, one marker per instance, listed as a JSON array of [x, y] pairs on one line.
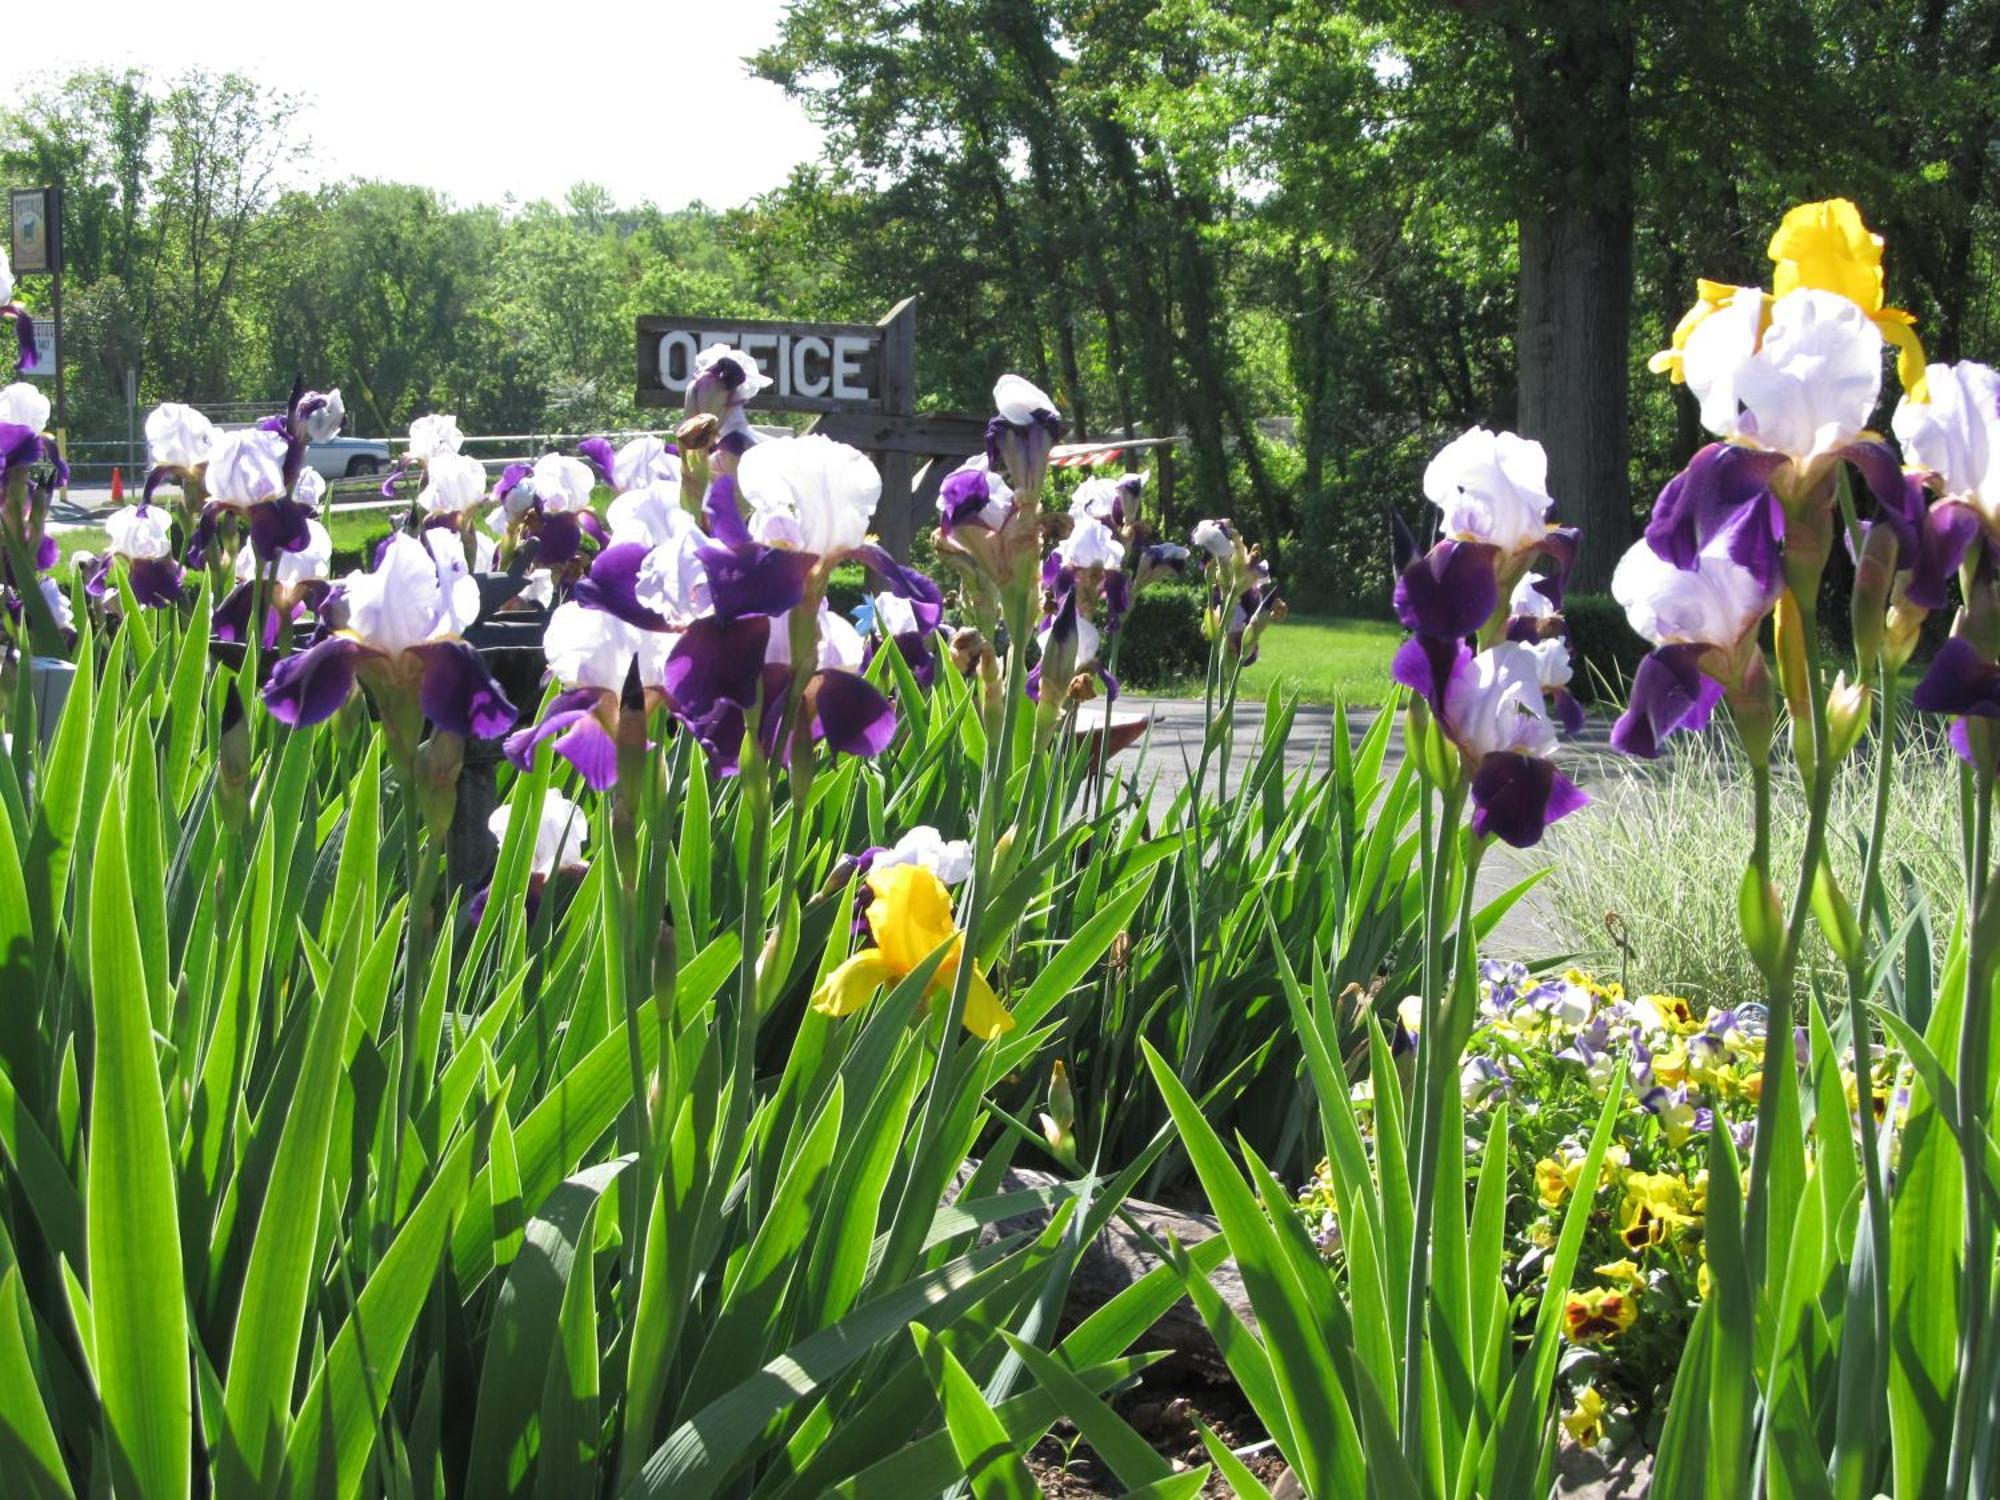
[[1324, 657], [352, 533]]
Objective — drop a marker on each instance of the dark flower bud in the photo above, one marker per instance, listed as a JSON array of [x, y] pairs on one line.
[[698, 433]]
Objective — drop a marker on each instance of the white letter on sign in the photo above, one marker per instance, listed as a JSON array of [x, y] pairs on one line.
[[682, 342], [804, 383], [847, 351]]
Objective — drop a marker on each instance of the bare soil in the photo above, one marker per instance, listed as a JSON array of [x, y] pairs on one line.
[[1162, 1409]]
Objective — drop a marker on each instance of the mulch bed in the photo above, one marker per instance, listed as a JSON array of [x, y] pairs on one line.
[[1161, 1409]]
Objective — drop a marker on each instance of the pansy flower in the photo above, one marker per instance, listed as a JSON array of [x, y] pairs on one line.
[[400, 633], [1595, 1315], [1489, 705], [909, 919]]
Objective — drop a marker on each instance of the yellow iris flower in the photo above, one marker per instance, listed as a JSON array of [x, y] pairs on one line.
[[910, 919], [1824, 247]]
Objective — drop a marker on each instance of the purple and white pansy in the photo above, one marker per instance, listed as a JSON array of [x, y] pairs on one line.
[[398, 630], [1489, 705]]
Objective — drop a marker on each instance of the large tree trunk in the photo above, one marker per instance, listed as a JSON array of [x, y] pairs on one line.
[[1575, 324], [1573, 102]]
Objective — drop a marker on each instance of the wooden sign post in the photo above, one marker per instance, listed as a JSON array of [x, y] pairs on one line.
[[859, 378]]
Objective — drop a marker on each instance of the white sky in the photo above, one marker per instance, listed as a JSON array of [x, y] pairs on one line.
[[651, 100]]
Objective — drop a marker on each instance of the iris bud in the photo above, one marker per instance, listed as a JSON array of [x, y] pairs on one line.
[[1905, 622], [439, 760], [1874, 575], [1846, 716], [1059, 1117], [235, 759]]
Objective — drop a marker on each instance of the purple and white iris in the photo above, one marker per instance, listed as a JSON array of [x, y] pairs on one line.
[[793, 510], [1957, 436], [1021, 434], [723, 382], [1491, 491], [398, 631], [1489, 705], [22, 320], [1703, 624], [141, 538], [592, 654]]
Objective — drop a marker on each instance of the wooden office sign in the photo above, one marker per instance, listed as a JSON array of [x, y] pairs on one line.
[[813, 367]]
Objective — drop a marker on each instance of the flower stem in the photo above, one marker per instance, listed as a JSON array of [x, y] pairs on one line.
[[1974, 1033], [1435, 1071], [1780, 981]]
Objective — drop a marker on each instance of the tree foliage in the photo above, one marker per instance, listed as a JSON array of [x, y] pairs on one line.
[[1292, 232]]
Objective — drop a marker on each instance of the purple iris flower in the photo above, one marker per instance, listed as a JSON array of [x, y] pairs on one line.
[[403, 639], [1022, 433], [1963, 683], [1490, 705], [592, 653]]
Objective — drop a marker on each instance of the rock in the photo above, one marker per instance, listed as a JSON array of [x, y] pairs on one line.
[[1121, 1255]]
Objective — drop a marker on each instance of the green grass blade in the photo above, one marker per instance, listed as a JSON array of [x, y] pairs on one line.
[[526, 1321]]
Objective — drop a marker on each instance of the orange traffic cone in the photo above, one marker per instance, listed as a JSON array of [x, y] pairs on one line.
[[117, 485]]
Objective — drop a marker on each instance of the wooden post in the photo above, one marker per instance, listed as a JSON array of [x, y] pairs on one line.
[[895, 518]]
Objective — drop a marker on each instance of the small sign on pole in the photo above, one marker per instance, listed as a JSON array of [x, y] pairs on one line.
[[34, 230], [45, 350]]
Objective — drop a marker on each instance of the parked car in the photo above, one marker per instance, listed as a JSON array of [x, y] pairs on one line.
[[347, 457], [339, 457]]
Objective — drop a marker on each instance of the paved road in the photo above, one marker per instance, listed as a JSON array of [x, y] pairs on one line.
[[1173, 748]]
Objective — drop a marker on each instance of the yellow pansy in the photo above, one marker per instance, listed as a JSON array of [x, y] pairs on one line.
[[1584, 1422], [1553, 1180], [1598, 1313], [1658, 1210], [1626, 1273], [910, 919], [1826, 247]]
